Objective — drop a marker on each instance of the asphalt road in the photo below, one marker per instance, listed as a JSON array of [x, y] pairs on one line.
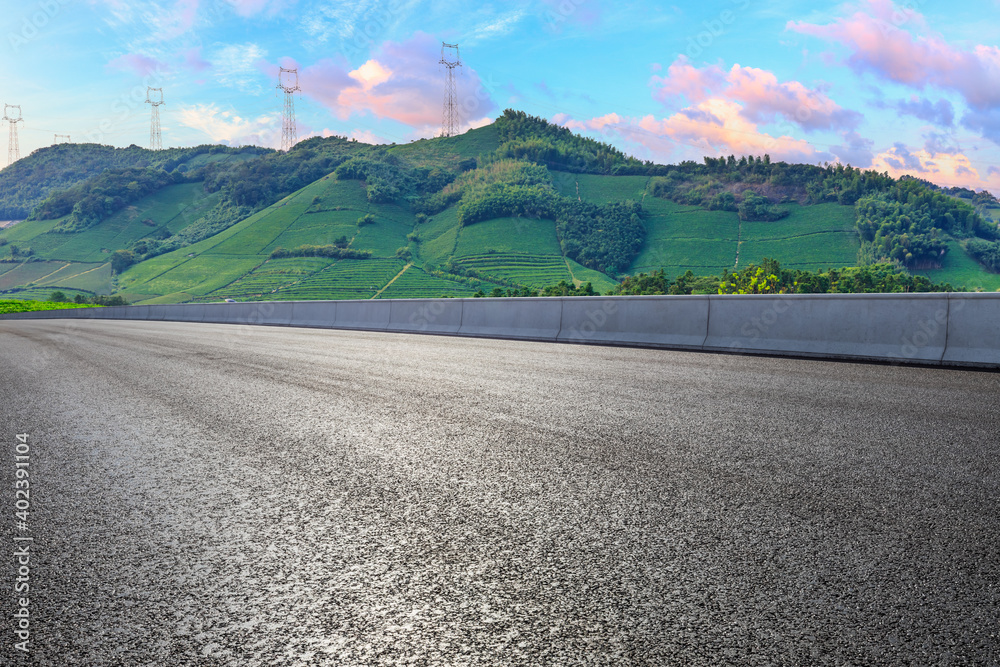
[[210, 494]]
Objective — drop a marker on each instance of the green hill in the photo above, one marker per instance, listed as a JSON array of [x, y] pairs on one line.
[[519, 204]]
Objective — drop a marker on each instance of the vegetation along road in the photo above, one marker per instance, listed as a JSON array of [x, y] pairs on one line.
[[210, 494]]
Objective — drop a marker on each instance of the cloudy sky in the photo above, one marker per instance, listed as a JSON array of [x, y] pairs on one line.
[[904, 88]]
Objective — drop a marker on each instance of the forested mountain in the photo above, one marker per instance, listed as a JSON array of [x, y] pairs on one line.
[[514, 206], [29, 181]]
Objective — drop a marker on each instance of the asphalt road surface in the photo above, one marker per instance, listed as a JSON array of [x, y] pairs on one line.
[[209, 494]]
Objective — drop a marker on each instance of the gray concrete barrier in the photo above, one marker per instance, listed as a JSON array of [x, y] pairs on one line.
[[956, 329], [847, 326], [425, 315], [668, 321], [514, 317], [973, 330], [192, 312], [136, 313], [170, 312], [314, 313], [273, 312], [363, 315]]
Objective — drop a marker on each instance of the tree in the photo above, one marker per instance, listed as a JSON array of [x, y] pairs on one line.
[[58, 297], [121, 260]]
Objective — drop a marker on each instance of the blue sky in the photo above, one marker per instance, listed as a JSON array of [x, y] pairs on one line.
[[904, 88]]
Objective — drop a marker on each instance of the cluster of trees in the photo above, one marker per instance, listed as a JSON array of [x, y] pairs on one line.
[[657, 282], [755, 207], [907, 221], [769, 278], [986, 253], [524, 137], [335, 251], [95, 299], [714, 183], [102, 196], [25, 184], [561, 289], [604, 237], [385, 179], [476, 183]]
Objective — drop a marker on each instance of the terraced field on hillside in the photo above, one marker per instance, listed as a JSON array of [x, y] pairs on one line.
[[415, 283], [344, 279]]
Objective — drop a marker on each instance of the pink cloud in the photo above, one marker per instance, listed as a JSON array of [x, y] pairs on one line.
[[194, 61], [762, 96], [137, 63], [683, 78], [879, 44], [715, 126], [402, 81], [947, 169]]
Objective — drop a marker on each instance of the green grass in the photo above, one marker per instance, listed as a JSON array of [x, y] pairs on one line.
[[449, 151], [606, 189], [166, 211], [24, 306], [384, 237], [273, 275], [959, 269], [415, 283], [27, 273], [43, 293], [509, 235], [522, 269], [438, 237], [202, 274], [345, 279], [581, 274]]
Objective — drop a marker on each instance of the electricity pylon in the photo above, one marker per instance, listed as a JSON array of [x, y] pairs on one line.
[[289, 133], [450, 123], [64, 137], [13, 149], [155, 140]]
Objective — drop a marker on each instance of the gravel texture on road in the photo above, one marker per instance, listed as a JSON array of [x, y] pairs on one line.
[[225, 495]]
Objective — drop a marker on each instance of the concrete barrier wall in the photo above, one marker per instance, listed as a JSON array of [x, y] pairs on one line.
[[836, 326], [516, 318], [425, 315], [973, 330], [315, 313], [363, 315], [936, 329], [671, 321]]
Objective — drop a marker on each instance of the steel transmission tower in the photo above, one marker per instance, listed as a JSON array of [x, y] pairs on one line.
[[289, 133], [449, 125], [13, 149], [155, 140], [64, 137]]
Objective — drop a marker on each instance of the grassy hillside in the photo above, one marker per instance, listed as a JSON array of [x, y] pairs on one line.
[[431, 226]]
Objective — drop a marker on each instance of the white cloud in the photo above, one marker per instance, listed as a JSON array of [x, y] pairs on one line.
[[222, 126], [234, 66]]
